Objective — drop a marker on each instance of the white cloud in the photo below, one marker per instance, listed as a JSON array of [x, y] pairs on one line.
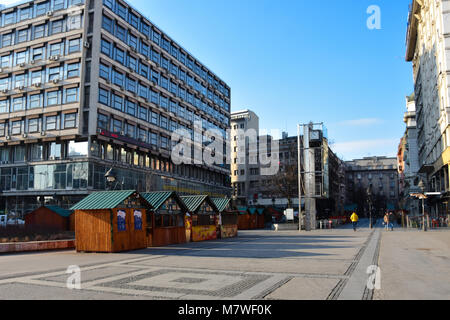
[[363, 148], [361, 122]]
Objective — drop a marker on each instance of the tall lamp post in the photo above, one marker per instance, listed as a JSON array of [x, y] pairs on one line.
[[369, 200], [421, 185]]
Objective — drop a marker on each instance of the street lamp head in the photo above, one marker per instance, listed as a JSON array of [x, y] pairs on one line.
[[109, 176], [421, 185]]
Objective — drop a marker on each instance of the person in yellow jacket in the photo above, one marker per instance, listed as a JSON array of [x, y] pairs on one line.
[[354, 219]]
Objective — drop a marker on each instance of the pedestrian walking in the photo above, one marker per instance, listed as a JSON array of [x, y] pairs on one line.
[[354, 220], [387, 221]]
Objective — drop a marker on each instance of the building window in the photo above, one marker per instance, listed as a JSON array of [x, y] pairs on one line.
[[73, 70], [106, 48], [22, 36], [55, 49], [116, 126], [154, 138], [41, 8], [57, 26], [18, 104], [164, 122], [71, 95], [120, 56], [21, 57], [74, 45], [36, 77], [4, 106], [102, 121], [6, 40], [121, 33], [70, 120], [131, 108], [118, 78], [38, 54], [51, 123], [53, 73], [107, 24], [52, 98], [118, 102], [155, 118], [35, 101], [16, 127], [103, 96], [33, 125], [39, 31], [104, 71]]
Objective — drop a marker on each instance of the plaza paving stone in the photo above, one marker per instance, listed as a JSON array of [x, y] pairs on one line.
[[321, 264]]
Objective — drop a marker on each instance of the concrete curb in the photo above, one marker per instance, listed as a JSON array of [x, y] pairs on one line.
[[36, 246]]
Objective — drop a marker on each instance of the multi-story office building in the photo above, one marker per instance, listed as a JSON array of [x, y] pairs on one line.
[[380, 174], [244, 170], [89, 85], [426, 47]]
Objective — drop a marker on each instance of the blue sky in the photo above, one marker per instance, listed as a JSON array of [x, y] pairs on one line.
[[293, 61]]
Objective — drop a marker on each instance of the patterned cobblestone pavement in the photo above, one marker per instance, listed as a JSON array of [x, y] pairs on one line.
[[256, 265]]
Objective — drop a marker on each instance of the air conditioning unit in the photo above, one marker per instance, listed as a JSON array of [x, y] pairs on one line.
[[86, 44], [51, 158], [107, 81], [54, 58], [5, 91], [20, 88], [8, 137], [1, 70], [37, 84], [133, 49], [55, 81], [22, 65], [43, 133], [25, 135], [32, 62], [49, 13], [122, 133]]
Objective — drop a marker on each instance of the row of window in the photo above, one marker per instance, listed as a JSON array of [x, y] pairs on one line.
[[39, 100], [137, 87], [146, 71], [33, 55], [40, 31], [110, 152], [117, 102], [63, 71], [36, 10], [46, 123], [142, 26]]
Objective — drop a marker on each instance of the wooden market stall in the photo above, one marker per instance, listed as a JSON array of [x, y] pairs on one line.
[[111, 221], [201, 218], [247, 218], [228, 219], [51, 217], [165, 222], [260, 218]]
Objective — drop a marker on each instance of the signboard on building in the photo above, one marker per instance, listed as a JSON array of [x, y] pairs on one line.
[[289, 214]]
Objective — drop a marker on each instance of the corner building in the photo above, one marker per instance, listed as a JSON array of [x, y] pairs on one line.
[[89, 86]]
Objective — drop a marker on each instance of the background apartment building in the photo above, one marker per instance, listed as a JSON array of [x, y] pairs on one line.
[[408, 161], [380, 175], [87, 86], [426, 47], [245, 167]]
